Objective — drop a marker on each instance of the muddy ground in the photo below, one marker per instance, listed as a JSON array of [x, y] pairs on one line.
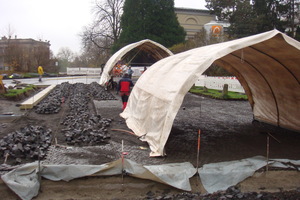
[[227, 133]]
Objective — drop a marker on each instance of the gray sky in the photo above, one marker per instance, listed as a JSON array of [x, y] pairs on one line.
[[60, 21]]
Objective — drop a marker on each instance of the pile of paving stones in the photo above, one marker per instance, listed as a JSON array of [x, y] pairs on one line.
[[52, 103], [231, 193], [82, 126], [86, 130], [30, 142], [99, 93]]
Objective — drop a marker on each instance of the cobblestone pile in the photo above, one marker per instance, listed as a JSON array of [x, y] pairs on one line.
[[52, 103], [230, 193], [83, 127], [30, 142], [99, 93]]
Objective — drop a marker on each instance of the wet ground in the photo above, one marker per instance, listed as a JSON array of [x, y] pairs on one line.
[[227, 133]]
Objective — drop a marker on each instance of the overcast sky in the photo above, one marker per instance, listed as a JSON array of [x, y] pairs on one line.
[[59, 21]]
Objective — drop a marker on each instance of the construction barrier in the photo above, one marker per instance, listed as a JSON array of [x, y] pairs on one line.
[[83, 71], [137, 71], [217, 82]]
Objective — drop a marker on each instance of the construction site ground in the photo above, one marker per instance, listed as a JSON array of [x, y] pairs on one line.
[[227, 134]]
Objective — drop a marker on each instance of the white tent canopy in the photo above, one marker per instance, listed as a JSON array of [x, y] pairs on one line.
[[267, 66], [157, 50]]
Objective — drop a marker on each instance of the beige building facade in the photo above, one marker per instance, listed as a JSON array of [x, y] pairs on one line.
[[193, 20], [23, 55]]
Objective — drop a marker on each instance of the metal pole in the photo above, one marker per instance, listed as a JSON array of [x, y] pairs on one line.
[[122, 156], [39, 159], [293, 18], [198, 149], [123, 171], [268, 146]]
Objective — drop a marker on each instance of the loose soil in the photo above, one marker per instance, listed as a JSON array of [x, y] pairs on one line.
[[227, 133]]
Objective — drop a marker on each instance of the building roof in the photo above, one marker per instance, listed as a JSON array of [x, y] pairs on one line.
[[192, 11]]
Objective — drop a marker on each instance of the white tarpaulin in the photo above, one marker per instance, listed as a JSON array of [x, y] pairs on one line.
[[156, 50], [24, 180], [267, 66], [220, 176]]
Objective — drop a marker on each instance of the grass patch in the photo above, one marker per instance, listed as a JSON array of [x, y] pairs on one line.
[[30, 75], [14, 93], [217, 94]]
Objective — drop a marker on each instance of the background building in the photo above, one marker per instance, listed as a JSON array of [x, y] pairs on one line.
[[193, 20], [23, 55]]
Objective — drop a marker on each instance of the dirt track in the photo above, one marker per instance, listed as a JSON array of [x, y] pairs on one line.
[[227, 133]]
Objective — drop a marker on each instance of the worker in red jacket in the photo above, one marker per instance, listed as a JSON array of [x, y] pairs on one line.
[[124, 88]]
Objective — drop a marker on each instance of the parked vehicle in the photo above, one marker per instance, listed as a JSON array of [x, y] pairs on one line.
[[15, 75]]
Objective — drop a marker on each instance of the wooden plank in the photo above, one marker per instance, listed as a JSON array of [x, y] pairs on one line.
[[31, 102]]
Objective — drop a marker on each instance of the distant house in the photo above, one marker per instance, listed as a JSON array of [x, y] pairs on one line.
[[193, 20], [23, 55]]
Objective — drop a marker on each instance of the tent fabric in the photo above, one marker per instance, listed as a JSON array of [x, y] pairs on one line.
[[266, 64], [157, 50]]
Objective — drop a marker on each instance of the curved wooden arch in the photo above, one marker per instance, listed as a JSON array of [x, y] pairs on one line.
[[157, 50]]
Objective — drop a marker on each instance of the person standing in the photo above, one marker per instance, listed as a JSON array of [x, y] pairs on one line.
[[124, 86], [40, 72], [130, 72], [102, 67], [145, 68]]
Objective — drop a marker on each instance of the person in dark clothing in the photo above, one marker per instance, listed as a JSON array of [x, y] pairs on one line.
[[145, 68], [111, 84], [102, 67], [124, 88]]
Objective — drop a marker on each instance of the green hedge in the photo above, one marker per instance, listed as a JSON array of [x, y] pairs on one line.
[[16, 92]]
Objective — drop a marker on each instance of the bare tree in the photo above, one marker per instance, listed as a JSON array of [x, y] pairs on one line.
[[65, 56], [108, 16], [13, 56], [294, 16], [9, 31], [41, 56], [65, 53], [99, 37]]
